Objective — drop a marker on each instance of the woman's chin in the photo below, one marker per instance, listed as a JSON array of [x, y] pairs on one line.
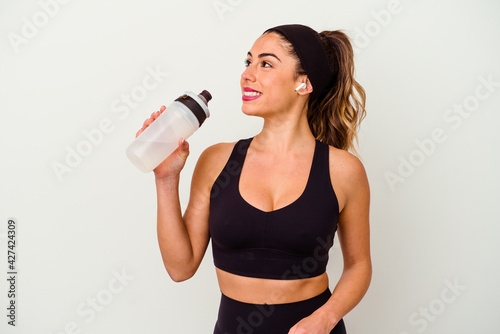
[[249, 111]]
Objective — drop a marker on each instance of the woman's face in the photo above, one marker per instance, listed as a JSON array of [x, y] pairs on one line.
[[268, 82]]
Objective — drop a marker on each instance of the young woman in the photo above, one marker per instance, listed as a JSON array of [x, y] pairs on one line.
[[272, 203]]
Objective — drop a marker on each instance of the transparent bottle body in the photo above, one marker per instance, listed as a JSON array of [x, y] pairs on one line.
[[161, 138]]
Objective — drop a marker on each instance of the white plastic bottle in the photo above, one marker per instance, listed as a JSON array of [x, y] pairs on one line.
[[180, 119]]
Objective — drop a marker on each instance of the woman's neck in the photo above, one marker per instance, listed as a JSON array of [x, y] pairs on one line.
[[283, 134]]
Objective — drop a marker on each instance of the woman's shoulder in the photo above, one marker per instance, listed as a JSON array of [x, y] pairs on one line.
[[213, 159], [223, 150], [218, 151], [345, 162], [347, 171]]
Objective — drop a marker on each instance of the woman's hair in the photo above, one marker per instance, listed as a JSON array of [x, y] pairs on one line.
[[335, 116]]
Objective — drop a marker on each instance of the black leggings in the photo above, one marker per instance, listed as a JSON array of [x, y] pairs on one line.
[[236, 317]]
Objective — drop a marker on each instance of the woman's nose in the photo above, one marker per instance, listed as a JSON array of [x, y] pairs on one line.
[[248, 74]]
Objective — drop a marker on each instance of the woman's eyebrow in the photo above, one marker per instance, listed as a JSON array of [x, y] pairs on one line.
[[264, 55]]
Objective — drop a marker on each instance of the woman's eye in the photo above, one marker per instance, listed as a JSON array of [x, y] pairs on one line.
[[247, 63]]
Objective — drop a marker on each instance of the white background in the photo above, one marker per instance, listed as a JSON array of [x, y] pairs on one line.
[[436, 226]]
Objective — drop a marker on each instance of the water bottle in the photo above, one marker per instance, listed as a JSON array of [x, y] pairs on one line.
[[180, 119]]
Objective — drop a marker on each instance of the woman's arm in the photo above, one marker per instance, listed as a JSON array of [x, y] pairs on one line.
[[183, 240], [354, 237]]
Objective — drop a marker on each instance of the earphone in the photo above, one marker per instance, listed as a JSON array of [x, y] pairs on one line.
[[302, 85]]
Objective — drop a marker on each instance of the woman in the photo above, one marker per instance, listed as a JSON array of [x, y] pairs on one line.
[[272, 203]]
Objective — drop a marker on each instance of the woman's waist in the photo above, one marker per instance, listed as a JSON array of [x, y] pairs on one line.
[[270, 291]]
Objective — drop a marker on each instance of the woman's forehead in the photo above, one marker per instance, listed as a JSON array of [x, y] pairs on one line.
[[268, 43]]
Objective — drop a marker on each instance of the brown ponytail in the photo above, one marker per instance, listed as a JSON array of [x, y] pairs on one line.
[[335, 117]]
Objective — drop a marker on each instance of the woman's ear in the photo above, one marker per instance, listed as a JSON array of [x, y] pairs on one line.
[[307, 89]]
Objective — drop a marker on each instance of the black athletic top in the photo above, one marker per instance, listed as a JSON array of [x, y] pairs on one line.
[[288, 243]]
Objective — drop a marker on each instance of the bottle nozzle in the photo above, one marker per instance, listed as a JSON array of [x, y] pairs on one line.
[[205, 96]]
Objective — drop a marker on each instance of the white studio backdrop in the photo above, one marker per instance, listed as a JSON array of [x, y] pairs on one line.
[[78, 78]]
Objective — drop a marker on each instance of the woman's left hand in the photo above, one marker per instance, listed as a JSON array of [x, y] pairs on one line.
[[316, 323]]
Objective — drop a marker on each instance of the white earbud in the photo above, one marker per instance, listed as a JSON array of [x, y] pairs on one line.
[[302, 85]]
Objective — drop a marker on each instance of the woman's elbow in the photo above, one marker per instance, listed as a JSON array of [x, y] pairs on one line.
[[180, 275]]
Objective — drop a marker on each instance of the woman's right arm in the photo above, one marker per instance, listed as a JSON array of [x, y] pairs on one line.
[[183, 240]]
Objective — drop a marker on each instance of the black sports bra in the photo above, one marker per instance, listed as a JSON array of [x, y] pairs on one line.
[[288, 243]]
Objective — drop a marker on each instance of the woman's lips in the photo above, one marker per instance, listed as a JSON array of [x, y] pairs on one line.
[[250, 94], [251, 97]]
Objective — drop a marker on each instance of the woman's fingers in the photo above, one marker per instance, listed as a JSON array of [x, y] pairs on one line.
[[150, 120], [147, 122]]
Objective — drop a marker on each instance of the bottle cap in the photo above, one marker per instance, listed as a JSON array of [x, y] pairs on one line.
[[206, 95]]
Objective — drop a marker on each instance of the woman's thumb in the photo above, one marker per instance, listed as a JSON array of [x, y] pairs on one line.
[[183, 149]]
